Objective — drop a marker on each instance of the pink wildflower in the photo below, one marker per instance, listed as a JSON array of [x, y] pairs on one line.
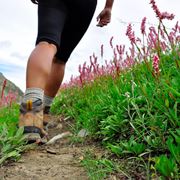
[[120, 50], [172, 37], [115, 54], [155, 8], [80, 69], [3, 88], [164, 46], [163, 15], [102, 50], [111, 42], [132, 51], [178, 39], [156, 64], [162, 33], [152, 38], [143, 26], [95, 58], [9, 98], [175, 29], [130, 34], [138, 40], [166, 15]]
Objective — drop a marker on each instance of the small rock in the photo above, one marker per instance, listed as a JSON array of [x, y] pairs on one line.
[[52, 124], [83, 133], [59, 126], [51, 151], [57, 137], [67, 118], [81, 158]]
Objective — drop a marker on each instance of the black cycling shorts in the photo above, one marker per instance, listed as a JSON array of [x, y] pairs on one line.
[[63, 23]]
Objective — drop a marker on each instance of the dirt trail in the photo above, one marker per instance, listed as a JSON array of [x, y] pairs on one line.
[[60, 161]]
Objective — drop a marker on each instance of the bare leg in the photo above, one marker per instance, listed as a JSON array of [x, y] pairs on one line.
[[52, 86], [39, 65], [38, 70], [55, 78]]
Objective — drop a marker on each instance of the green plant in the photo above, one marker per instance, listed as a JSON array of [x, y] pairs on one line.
[[12, 144], [166, 166], [98, 168]]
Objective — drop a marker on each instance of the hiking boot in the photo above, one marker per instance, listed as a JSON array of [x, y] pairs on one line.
[[31, 118], [46, 117]]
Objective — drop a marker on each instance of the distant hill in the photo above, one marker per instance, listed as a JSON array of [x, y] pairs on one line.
[[10, 86]]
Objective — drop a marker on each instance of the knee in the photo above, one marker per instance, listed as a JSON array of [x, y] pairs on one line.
[[47, 46]]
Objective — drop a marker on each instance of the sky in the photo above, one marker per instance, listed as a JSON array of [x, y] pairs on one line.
[[18, 29]]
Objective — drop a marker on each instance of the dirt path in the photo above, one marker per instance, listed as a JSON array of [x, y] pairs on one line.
[[60, 161]]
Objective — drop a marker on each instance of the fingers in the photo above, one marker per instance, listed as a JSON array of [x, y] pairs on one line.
[[102, 23]]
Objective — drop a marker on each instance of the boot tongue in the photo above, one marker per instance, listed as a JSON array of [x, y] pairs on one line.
[[29, 104]]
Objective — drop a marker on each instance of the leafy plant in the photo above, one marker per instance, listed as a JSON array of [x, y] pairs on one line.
[[166, 166], [98, 168], [11, 144]]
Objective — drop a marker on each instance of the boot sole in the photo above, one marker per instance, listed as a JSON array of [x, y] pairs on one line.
[[34, 135], [34, 138]]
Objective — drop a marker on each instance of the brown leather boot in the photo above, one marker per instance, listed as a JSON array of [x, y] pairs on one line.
[[31, 119], [46, 112]]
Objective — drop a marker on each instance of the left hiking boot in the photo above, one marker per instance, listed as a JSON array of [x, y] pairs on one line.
[[31, 119]]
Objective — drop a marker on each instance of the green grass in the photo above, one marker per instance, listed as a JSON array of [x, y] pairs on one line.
[[98, 168], [135, 114], [12, 142], [105, 166]]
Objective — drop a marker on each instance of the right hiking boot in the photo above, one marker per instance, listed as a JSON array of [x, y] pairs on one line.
[[31, 119], [47, 116]]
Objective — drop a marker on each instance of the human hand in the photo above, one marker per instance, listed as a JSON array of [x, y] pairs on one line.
[[104, 17]]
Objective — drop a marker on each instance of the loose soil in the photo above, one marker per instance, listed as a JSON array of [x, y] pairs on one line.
[[60, 161]]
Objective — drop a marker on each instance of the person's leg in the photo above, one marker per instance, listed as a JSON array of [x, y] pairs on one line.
[[38, 70], [55, 78], [39, 65], [51, 18], [52, 86]]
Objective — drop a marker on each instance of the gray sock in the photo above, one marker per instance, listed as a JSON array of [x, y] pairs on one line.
[[33, 94], [47, 101]]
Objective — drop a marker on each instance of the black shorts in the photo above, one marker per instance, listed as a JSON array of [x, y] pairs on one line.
[[63, 23]]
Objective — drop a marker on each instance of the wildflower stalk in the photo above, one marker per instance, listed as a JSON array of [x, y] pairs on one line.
[[172, 89], [164, 28], [158, 41], [161, 16], [3, 89]]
